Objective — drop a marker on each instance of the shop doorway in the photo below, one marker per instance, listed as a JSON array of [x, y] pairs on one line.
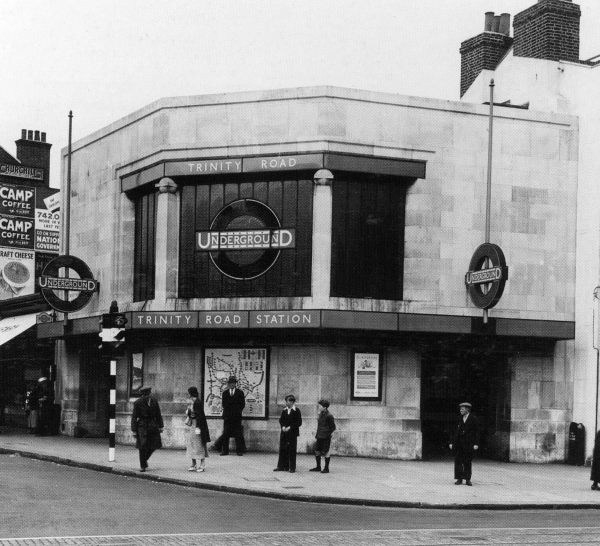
[[456, 371], [94, 394]]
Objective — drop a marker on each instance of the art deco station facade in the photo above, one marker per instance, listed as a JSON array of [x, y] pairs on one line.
[[315, 241]]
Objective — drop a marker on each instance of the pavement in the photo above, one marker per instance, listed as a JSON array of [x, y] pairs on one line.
[[352, 480]]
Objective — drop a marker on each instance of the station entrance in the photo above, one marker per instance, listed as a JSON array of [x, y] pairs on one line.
[[459, 370]]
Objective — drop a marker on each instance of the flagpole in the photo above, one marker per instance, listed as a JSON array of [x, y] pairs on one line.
[[488, 194], [67, 212]]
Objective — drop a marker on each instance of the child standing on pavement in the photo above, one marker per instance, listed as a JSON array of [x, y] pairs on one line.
[[290, 422], [325, 428]]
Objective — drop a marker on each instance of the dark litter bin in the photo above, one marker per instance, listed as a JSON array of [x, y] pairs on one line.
[[576, 454]]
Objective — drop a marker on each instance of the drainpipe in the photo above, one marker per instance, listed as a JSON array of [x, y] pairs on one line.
[[596, 335]]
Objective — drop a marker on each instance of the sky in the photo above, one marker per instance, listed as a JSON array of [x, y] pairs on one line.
[[104, 59]]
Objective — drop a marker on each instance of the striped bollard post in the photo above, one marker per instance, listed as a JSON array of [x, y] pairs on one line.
[[112, 410]]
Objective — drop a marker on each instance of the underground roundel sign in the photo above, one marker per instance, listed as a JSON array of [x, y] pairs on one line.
[[487, 275], [245, 239], [57, 289]]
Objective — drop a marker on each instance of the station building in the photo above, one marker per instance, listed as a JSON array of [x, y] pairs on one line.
[[315, 241]]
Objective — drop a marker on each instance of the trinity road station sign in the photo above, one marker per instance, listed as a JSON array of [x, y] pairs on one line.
[[245, 239], [487, 275], [55, 288]]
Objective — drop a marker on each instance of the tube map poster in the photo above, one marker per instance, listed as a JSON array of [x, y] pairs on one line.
[[249, 366]]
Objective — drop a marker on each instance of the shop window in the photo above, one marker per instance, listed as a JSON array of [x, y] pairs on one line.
[[144, 251], [368, 237]]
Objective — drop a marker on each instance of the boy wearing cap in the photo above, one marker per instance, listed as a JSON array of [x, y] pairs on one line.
[[234, 402], [325, 428], [290, 422], [466, 442]]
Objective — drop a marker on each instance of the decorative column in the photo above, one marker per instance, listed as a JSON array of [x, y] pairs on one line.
[[321, 239], [166, 269]]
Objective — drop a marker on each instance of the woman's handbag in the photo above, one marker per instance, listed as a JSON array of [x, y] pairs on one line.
[[188, 421]]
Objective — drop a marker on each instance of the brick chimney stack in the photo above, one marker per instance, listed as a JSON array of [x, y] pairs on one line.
[[34, 151], [548, 30], [484, 51]]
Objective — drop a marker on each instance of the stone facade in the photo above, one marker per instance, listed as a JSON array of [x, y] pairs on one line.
[[533, 199]]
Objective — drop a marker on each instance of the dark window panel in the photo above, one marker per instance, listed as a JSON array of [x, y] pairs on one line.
[[368, 237]]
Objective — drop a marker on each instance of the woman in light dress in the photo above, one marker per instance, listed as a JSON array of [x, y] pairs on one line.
[[197, 435]]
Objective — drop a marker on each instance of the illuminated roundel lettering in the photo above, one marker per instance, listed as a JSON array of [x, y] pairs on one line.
[[245, 239]]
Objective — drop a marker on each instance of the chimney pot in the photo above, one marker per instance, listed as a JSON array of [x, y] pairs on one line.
[[496, 23], [29, 134], [489, 18], [23, 134], [36, 135], [43, 137], [505, 24]]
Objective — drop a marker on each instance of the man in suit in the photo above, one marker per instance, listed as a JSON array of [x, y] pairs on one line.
[[466, 443], [146, 425], [233, 402], [290, 422]]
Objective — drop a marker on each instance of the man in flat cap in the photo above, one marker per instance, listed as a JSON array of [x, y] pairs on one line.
[[466, 443], [146, 425], [234, 402]]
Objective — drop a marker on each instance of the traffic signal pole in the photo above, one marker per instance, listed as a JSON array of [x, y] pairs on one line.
[[112, 334], [112, 410]]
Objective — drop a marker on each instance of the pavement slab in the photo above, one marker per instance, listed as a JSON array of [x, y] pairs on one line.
[[352, 480]]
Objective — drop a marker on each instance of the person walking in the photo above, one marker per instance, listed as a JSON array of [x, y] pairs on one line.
[[31, 408], [45, 406], [595, 474], [234, 402], [146, 425], [197, 435], [465, 444], [325, 428], [290, 422]]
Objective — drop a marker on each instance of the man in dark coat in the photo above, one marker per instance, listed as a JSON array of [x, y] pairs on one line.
[[234, 402], [290, 422], [466, 443], [146, 425]]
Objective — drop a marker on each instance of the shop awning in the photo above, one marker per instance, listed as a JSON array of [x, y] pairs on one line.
[[13, 326]]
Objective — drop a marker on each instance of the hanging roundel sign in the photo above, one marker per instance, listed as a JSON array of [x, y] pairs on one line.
[[56, 288], [245, 239], [487, 275]]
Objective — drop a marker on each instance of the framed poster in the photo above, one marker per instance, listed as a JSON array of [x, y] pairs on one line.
[[250, 366], [366, 376]]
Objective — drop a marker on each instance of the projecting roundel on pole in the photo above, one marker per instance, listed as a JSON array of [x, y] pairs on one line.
[[487, 275], [245, 239], [55, 288]]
